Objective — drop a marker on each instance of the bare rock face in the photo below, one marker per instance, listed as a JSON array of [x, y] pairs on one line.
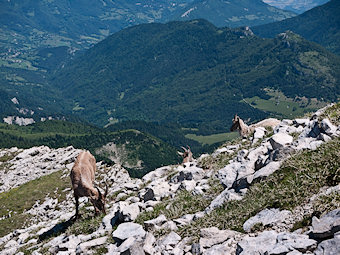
[[270, 242], [126, 230], [280, 140], [266, 217], [128, 198], [212, 236], [33, 163], [326, 226]]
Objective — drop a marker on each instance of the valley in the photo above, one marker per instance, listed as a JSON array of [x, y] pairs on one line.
[[152, 89]]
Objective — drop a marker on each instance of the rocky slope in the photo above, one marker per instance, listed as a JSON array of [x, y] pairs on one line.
[[278, 188]]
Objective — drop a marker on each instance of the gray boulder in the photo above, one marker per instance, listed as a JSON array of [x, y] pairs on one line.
[[126, 230], [212, 236], [266, 170], [223, 197], [312, 130], [328, 128], [129, 212], [329, 247], [270, 242], [280, 140], [151, 224], [220, 249], [171, 239], [326, 226], [131, 246], [266, 217], [81, 249], [301, 122]]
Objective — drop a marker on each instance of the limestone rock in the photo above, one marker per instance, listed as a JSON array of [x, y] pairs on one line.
[[170, 239], [130, 212], [223, 197], [328, 128], [329, 247], [267, 170], [266, 217], [87, 245], [212, 236], [150, 224], [280, 140], [326, 226], [270, 242], [126, 230]]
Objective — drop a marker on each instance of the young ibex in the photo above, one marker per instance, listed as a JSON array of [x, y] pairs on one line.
[[82, 177], [246, 130], [187, 155]]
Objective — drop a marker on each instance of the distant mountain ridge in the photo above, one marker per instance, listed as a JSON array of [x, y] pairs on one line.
[[234, 13], [193, 72], [320, 24], [298, 6]]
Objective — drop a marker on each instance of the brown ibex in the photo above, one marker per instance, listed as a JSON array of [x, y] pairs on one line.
[[245, 130], [82, 177], [187, 154]]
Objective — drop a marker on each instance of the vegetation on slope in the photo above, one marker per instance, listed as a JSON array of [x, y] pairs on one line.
[[299, 178], [17, 200], [320, 24], [140, 152], [194, 74], [234, 13]]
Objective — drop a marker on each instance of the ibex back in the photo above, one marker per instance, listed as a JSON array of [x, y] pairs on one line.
[[82, 177]]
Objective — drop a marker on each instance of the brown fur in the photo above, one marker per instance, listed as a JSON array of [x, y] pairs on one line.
[[82, 178], [245, 130], [187, 155]]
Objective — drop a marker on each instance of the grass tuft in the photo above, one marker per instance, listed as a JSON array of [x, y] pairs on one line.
[[299, 178]]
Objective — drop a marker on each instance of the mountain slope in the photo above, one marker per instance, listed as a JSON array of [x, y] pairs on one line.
[[77, 23], [192, 72], [234, 13], [224, 203], [132, 149], [298, 6], [320, 25]]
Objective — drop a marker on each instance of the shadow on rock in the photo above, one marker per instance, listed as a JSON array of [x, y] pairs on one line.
[[57, 229]]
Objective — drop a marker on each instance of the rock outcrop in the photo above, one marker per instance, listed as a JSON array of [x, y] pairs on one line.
[[118, 232]]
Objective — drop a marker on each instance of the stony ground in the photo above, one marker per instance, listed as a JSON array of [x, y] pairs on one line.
[[181, 209]]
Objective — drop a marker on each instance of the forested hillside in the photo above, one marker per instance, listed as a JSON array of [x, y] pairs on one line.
[[320, 24], [136, 151], [194, 73], [234, 13]]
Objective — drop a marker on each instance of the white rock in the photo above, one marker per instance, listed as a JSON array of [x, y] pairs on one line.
[[126, 230], [130, 212], [280, 140], [266, 217], [212, 236], [188, 185], [150, 224], [267, 170]]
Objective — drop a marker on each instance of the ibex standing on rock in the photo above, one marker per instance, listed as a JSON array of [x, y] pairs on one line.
[[187, 155], [82, 177], [245, 130]]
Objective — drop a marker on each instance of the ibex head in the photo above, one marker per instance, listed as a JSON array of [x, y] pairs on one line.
[[236, 123], [99, 200], [186, 154]]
